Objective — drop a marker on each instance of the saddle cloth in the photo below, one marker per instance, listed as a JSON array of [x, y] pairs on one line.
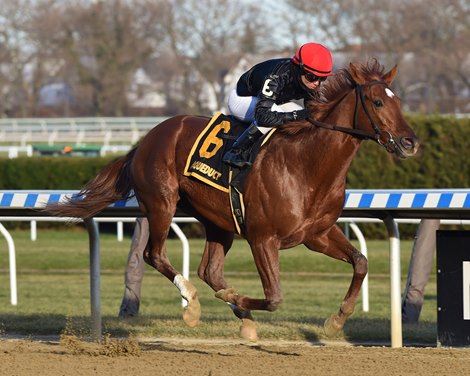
[[205, 164], [205, 159]]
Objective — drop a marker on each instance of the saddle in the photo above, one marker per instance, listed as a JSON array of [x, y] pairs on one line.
[[205, 164]]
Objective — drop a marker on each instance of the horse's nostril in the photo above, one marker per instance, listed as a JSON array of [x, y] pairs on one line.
[[408, 143]]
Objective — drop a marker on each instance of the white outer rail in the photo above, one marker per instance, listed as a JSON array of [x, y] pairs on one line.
[[363, 248], [12, 260], [395, 273], [185, 244], [174, 227], [33, 220]]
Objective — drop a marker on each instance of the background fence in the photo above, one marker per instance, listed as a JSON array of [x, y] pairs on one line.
[[17, 135]]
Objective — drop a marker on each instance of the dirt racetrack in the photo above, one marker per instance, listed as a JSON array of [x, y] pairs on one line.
[[69, 356]]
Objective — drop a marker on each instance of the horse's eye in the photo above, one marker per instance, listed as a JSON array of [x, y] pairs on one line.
[[378, 103]]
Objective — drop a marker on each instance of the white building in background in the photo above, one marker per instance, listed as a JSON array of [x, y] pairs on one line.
[[55, 94], [144, 92]]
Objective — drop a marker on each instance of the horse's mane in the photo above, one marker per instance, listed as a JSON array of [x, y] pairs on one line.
[[332, 91]]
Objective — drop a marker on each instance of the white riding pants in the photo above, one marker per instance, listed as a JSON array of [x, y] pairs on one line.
[[243, 108]]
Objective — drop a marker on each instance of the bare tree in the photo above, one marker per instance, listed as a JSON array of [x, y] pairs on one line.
[[426, 37], [17, 55], [44, 29], [188, 50], [103, 44], [207, 38]]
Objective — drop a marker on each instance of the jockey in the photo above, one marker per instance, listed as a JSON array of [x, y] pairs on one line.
[[265, 95]]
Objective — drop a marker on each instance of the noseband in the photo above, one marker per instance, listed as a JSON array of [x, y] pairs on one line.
[[389, 142]]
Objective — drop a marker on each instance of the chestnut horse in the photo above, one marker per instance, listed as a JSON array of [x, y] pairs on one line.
[[294, 193]]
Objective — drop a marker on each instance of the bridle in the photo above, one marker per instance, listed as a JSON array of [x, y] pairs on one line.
[[389, 144]]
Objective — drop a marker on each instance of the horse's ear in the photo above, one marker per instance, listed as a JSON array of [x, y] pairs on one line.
[[356, 74], [390, 76]]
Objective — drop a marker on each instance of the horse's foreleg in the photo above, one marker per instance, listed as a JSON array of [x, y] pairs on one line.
[[211, 271], [336, 245], [266, 256], [211, 268]]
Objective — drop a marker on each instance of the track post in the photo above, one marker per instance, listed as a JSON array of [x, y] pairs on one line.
[[395, 282], [95, 282]]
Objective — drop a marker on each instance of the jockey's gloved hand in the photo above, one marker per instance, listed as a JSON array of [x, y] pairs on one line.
[[296, 115]]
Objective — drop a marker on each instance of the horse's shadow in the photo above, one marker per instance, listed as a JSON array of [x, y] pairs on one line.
[[357, 331], [362, 331]]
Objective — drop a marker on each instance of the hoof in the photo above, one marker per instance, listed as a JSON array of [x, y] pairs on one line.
[[248, 330], [192, 313], [226, 294], [332, 327]]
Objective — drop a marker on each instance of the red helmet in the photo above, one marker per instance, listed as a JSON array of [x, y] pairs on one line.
[[314, 58]]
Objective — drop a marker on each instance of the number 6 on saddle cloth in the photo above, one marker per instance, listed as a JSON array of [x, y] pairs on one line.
[[205, 161]]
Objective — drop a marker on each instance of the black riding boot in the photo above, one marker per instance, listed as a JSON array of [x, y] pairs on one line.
[[238, 155]]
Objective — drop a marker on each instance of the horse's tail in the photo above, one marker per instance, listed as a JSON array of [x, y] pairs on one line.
[[111, 184]]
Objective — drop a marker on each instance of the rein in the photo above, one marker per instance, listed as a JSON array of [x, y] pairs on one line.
[[390, 144]]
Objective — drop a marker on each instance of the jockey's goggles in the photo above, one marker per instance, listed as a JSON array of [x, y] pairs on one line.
[[310, 77]]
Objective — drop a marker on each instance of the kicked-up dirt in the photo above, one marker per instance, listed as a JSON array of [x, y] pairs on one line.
[[71, 356]]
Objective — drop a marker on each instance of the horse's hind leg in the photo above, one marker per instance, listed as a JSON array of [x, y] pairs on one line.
[[135, 269], [211, 271], [337, 246], [160, 218]]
